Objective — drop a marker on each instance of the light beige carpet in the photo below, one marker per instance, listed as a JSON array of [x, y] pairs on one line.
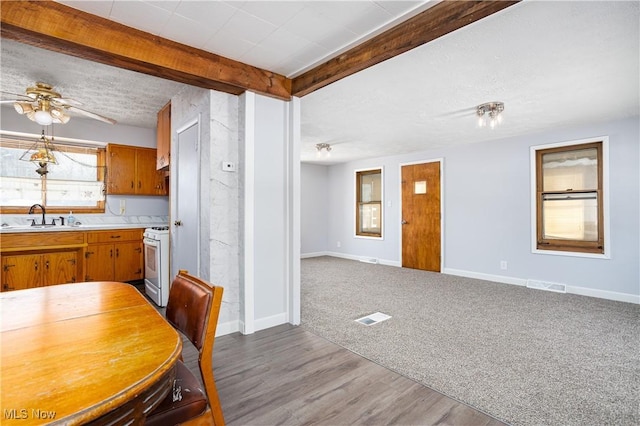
[[527, 357]]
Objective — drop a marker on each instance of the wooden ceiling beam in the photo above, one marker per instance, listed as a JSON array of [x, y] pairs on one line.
[[54, 26], [438, 20]]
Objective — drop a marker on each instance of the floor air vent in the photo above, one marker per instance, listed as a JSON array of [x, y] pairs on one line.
[[374, 318], [544, 285]]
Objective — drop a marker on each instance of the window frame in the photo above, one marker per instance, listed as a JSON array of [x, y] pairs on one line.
[[594, 249], [100, 206], [358, 203]]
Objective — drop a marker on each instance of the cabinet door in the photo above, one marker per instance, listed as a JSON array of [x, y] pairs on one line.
[[121, 169], [147, 175], [21, 271], [163, 137], [128, 261], [60, 268], [99, 262]]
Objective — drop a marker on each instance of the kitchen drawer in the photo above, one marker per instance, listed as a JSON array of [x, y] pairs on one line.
[[40, 240], [114, 236]]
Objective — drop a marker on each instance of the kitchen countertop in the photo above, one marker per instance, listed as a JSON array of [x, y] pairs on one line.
[[83, 227]]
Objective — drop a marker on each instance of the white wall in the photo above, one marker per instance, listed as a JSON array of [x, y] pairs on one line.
[[265, 207], [314, 200], [219, 231], [486, 210]]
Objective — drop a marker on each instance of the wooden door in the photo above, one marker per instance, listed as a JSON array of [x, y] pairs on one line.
[[421, 216], [99, 262], [21, 271], [59, 267], [121, 168], [128, 261]]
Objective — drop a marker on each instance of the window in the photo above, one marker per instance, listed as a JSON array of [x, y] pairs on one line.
[[369, 203], [75, 183], [569, 188]]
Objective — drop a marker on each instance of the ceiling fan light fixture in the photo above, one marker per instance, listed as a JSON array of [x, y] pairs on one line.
[[43, 117], [23, 107], [59, 116]]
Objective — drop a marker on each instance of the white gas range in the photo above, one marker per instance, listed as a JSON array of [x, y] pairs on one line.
[[156, 264]]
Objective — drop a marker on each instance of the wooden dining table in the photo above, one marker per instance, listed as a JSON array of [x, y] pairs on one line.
[[95, 352]]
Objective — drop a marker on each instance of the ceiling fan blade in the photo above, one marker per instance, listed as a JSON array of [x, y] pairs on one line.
[[22, 97], [90, 114], [10, 101], [66, 102]]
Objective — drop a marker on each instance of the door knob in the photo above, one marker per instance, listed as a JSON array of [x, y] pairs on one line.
[[178, 223], [404, 222]]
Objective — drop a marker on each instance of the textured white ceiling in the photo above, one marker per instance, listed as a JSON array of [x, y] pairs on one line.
[[553, 64]]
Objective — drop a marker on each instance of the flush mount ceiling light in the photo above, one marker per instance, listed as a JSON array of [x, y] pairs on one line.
[[491, 109], [327, 150]]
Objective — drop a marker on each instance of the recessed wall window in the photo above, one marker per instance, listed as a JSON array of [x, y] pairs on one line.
[[75, 183], [569, 185], [369, 203]]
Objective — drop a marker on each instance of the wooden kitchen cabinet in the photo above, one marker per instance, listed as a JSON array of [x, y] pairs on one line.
[[35, 259], [114, 255], [163, 138], [23, 271], [132, 171]]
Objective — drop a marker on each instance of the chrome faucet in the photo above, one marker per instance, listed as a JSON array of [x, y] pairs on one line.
[[43, 213]]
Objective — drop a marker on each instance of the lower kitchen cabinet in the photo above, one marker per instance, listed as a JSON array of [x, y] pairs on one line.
[[21, 271], [35, 259], [114, 255]]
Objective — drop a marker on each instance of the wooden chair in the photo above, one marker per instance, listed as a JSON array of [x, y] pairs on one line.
[[193, 309]]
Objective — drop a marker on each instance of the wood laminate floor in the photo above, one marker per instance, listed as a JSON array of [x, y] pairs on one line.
[[286, 375]]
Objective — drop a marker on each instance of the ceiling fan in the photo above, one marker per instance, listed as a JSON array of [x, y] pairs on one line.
[[44, 105]]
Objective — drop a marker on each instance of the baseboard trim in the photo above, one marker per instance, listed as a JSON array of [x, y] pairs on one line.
[[487, 277], [315, 254], [272, 321], [227, 328], [350, 257], [582, 291]]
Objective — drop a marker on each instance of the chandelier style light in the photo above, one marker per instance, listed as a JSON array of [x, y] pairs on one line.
[[41, 153], [327, 150], [494, 112]]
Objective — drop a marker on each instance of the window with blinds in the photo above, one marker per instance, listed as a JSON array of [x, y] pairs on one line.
[[369, 203], [569, 198], [75, 183]]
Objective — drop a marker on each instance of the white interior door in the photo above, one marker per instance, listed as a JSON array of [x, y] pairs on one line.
[[185, 218]]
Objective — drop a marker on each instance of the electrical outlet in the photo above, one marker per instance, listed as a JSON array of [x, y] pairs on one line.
[[503, 265], [338, 244], [123, 206]]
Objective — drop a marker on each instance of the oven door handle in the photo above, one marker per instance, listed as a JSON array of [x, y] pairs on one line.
[[150, 242]]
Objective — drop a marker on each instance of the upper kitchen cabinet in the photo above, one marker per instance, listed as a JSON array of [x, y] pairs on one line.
[[132, 171], [164, 137]]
